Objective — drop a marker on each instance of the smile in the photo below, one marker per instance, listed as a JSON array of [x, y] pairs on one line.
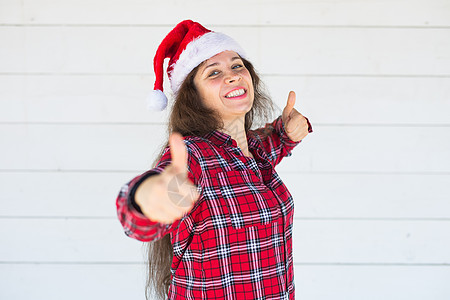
[[236, 93]]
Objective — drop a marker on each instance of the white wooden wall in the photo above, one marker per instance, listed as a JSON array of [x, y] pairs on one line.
[[371, 184]]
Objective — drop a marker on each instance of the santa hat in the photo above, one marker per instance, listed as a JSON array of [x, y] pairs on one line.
[[187, 45]]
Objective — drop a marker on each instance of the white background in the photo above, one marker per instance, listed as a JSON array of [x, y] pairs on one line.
[[371, 184]]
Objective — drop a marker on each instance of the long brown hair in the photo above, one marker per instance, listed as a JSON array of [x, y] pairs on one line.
[[190, 117]]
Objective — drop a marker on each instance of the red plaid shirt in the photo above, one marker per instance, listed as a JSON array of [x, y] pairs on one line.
[[236, 242]]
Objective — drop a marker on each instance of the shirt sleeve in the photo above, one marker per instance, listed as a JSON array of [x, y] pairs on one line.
[[136, 225], [277, 144]]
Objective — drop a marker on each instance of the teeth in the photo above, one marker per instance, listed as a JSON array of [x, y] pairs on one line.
[[236, 93]]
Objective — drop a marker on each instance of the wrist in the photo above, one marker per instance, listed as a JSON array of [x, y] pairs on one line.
[[132, 201], [144, 187]]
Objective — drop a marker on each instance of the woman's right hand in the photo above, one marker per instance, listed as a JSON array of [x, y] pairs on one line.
[[165, 197]]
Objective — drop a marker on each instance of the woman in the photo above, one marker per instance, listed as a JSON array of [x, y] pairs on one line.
[[216, 214]]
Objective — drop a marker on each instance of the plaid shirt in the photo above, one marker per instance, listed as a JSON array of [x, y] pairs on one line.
[[236, 242]]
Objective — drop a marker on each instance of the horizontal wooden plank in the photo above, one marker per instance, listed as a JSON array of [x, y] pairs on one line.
[[316, 195], [68, 240], [61, 194], [78, 98], [316, 241], [371, 241], [322, 50], [345, 100], [52, 145], [362, 196], [134, 147], [371, 282], [335, 12], [50, 282], [70, 282]]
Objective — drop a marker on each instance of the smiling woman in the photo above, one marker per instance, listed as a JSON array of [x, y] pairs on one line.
[[226, 86], [216, 215]]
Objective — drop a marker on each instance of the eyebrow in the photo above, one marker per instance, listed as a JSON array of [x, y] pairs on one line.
[[216, 63]]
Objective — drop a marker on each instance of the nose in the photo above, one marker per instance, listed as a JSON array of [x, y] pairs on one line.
[[232, 77]]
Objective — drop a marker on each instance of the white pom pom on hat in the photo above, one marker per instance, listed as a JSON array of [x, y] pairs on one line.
[[187, 45], [156, 100]]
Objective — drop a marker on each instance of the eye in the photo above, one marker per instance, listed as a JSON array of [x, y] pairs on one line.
[[213, 73], [237, 66]]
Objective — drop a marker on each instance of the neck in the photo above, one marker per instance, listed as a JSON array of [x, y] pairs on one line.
[[236, 129]]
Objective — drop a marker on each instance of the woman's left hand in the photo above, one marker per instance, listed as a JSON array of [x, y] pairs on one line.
[[295, 124]]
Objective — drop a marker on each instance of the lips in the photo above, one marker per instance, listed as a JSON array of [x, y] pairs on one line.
[[237, 92]]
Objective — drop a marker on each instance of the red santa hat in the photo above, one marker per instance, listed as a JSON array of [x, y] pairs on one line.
[[187, 45]]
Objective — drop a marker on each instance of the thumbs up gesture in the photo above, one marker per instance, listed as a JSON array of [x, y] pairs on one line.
[[165, 197], [295, 124]]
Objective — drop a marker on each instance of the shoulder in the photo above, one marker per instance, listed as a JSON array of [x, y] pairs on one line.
[[197, 146], [196, 141], [256, 137]]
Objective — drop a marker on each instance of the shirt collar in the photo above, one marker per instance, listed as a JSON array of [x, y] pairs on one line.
[[220, 139]]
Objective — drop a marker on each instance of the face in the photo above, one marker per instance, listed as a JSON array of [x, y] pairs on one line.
[[225, 85]]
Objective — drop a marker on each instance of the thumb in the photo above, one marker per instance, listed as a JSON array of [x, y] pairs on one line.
[[178, 152], [289, 106]]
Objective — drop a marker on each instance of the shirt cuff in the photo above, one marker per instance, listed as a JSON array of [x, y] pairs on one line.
[[131, 200], [283, 134]]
